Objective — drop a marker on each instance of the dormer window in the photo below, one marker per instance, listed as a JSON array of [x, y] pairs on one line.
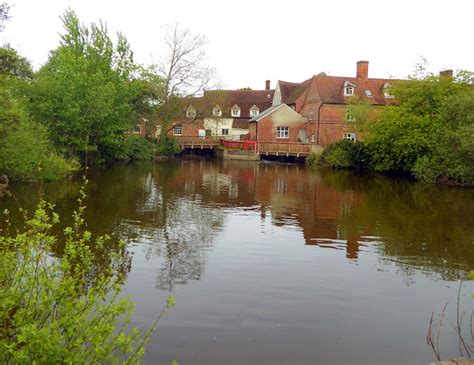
[[387, 92], [254, 111], [348, 89], [217, 111], [235, 111], [190, 112], [350, 117]]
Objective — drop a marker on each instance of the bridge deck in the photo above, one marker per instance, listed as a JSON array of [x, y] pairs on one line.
[[262, 148]]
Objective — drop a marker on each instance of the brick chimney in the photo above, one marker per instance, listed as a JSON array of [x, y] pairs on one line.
[[362, 69], [446, 74], [267, 85]]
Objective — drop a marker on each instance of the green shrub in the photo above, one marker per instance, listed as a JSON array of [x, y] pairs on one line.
[[398, 139], [133, 147], [167, 146], [452, 161], [26, 154], [312, 159], [344, 154], [63, 310]]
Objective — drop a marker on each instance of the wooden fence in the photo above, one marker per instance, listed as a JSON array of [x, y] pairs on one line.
[[263, 148], [283, 148]]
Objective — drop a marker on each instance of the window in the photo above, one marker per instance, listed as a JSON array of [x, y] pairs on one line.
[[348, 89], [137, 129], [350, 136], [350, 117], [190, 112], [225, 131], [283, 132], [387, 92], [254, 111], [178, 130], [235, 111], [368, 93], [217, 111]]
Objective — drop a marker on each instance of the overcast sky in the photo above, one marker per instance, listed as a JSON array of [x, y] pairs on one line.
[[250, 41]]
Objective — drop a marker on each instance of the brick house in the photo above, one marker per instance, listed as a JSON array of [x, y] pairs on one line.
[[224, 114], [279, 123], [327, 105]]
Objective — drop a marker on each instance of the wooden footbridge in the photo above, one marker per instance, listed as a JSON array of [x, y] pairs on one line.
[[295, 149]]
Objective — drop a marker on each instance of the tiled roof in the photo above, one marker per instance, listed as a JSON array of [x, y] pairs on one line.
[[266, 112], [240, 123], [245, 100], [329, 89]]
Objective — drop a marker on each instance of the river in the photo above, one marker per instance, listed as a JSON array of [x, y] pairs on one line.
[[277, 263]]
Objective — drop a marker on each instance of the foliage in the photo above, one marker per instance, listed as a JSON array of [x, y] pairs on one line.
[[135, 147], [63, 310], [312, 159], [344, 154], [84, 93], [452, 160], [399, 138], [14, 65], [167, 146], [25, 150], [27, 155]]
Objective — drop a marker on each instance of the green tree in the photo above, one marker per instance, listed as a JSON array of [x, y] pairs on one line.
[[25, 150], [85, 94], [429, 135]]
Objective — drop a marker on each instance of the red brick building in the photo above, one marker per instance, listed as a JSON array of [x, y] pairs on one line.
[[326, 103], [222, 113]]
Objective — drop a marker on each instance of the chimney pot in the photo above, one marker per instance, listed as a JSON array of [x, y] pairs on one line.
[[448, 74], [362, 69], [267, 85]]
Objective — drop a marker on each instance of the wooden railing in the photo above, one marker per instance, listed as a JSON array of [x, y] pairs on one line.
[[263, 148], [197, 142], [283, 148]]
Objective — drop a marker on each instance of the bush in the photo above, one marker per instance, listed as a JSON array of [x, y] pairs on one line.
[[344, 154], [133, 147], [63, 310], [167, 146], [26, 154], [398, 139], [452, 161]]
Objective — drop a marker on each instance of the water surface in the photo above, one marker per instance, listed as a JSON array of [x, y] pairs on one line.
[[278, 264]]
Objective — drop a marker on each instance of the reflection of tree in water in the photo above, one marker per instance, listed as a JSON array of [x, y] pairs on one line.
[[182, 242], [177, 224], [424, 227]]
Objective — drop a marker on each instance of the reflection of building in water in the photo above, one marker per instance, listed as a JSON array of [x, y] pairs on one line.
[[299, 197], [182, 212]]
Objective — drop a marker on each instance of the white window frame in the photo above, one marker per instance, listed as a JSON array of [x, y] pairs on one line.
[[350, 136], [217, 111], [350, 117], [254, 111], [283, 132], [235, 111], [139, 131], [349, 89], [190, 112], [178, 130], [226, 133], [386, 91]]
